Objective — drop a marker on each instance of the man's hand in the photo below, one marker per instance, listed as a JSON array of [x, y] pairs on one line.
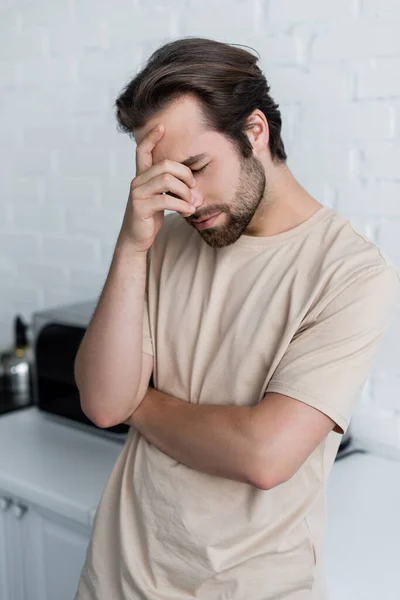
[[133, 420], [155, 188], [139, 413]]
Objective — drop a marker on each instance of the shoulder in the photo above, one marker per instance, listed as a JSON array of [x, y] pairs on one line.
[[346, 240], [346, 254], [345, 266]]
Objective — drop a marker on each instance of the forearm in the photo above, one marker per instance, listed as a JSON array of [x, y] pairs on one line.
[[213, 439], [108, 363]]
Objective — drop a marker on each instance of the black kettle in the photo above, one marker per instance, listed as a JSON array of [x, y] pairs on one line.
[[16, 368]]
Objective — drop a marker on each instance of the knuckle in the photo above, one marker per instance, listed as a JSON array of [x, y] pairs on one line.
[[166, 164], [166, 178], [134, 193]]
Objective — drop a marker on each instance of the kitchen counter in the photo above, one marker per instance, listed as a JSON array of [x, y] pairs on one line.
[[65, 470], [53, 465]]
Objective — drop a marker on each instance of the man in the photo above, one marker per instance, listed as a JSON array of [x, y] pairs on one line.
[[257, 312]]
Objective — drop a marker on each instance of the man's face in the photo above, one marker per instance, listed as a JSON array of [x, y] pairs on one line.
[[226, 183]]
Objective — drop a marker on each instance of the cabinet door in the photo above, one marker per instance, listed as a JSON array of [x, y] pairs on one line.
[[53, 555], [4, 569], [11, 576]]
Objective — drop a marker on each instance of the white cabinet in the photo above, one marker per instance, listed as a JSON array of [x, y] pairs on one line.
[[41, 553], [54, 476], [12, 584], [5, 563]]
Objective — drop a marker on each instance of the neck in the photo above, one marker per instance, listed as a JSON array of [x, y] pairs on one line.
[[285, 204]]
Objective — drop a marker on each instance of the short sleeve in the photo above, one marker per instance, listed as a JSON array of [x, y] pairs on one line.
[[147, 342], [328, 361]]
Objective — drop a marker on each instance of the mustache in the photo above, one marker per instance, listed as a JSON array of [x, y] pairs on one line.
[[207, 214], [205, 217]]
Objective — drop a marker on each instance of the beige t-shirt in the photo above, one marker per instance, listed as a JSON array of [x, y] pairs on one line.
[[298, 313]]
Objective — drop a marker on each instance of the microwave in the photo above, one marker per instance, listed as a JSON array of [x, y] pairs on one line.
[[56, 337]]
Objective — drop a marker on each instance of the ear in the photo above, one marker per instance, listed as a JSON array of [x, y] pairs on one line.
[[257, 130]]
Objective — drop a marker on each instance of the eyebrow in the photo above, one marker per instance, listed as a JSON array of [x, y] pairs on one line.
[[189, 162]]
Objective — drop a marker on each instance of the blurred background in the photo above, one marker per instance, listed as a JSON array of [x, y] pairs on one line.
[[333, 68]]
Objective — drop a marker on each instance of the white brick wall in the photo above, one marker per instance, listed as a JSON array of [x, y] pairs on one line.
[[334, 68]]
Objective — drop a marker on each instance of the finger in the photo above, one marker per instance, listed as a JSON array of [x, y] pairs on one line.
[[162, 202], [144, 157], [164, 183], [166, 166]]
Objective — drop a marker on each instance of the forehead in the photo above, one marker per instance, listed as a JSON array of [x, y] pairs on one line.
[[185, 132]]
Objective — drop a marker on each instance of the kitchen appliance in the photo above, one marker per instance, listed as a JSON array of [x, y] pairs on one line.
[[56, 336], [16, 370]]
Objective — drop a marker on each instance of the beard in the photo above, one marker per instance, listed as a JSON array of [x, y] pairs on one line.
[[247, 198]]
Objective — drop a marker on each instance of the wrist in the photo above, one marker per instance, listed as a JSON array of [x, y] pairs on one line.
[[125, 246], [137, 419]]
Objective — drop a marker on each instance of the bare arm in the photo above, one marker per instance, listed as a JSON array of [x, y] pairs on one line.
[[111, 372], [262, 445], [108, 365], [214, 439]]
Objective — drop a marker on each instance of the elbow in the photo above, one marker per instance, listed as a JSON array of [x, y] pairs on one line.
[[95, 409], [102, 421], [97, 418], [262, 474], [261, 482], [266, 466], [101, 418]]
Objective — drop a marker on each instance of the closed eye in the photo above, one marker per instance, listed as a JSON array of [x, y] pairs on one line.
[[199, 170]]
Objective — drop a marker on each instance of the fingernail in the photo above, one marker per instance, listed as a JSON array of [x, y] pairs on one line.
[[196, 200], [196, 195]]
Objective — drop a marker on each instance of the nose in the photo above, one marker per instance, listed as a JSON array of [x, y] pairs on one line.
[[197, 197]]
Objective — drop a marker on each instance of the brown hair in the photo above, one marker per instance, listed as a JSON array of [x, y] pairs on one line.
[[224, 77]]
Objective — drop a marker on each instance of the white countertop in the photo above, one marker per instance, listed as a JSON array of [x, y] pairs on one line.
[[65, 470], [53, 465]]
